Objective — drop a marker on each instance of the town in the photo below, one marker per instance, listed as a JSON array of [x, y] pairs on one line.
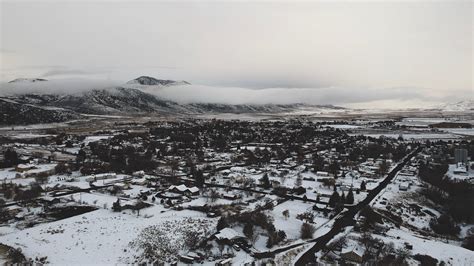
[[225, 192]]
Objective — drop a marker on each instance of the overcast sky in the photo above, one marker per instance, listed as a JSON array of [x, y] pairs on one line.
[[358, 48]]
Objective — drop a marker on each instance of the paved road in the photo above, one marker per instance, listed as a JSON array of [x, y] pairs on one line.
[[347, 219]]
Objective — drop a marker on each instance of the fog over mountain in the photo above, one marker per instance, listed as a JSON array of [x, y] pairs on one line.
[[184, 92], [366, 53]]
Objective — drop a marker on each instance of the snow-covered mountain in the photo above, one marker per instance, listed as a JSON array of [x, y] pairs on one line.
[[461, 106], [149, 81], [120, 100]]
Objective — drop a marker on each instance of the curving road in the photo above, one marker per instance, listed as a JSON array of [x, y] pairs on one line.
[[347, 218]]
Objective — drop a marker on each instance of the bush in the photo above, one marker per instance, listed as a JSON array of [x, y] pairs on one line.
[[445, 225], [425, 259], [222, 223], [371, 217], [116, 207], [306, 216], [15, 255], [248, 230], [469, 242], [307, 231]]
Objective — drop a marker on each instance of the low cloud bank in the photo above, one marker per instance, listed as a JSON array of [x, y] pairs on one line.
[[330, 95], [57, 86], [352, 97]]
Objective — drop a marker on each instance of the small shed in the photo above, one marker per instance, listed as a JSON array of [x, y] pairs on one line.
[[353, 253]]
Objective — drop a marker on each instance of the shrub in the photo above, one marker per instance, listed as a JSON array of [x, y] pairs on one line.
[[425, 259], [307, 231], [444, 225]]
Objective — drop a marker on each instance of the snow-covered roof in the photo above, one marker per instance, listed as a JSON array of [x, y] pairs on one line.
[[359, 250], [25, 166], [193, 189], [181, 188], [227, 233], [184, 188], [105, 175]]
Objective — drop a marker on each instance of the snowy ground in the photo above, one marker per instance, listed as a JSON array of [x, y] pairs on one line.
[[451, 254], [98, 237]]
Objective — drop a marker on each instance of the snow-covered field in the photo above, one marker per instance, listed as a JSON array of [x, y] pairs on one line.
[[460, 131], [97, 237]]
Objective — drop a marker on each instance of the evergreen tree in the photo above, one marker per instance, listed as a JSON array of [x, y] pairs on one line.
[[265, 181], [362, 186], [384, 167], [222, 223], [350, 197], [10, 158], [116, 207], [270, 241], [334, 168], [281, 235], [307, 231], [334, 199], [248, 230], [199, 177]]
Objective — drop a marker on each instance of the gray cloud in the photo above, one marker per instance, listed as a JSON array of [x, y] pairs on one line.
[[58, 86], [237, 95], [353, 44], [60, 72], [398, 97]]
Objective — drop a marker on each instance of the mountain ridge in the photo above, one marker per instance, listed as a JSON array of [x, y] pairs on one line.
[[150, 81], [23, 108], [119, 100]]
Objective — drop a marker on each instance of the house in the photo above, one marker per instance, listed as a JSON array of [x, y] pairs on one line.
[[352, 175], [460, 169], [24, 167], [121, 185], [225, 262], [184, 190], [105, 176], [186, 259], [403, 186], [94, 178], [138, 173], [321, 173], [140, 181], [231, 196], [63, 157], [48, 200], [353, 253], [227, 235], [275, 183]]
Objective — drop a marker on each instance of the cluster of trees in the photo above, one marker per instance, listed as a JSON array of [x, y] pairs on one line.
[[4, 213], [456, 196], [444, 225], [20, 192], [265, 182], [252, 220], [337, 200], [370, 218], [10, 158], [140, 204], [469, 240], [377, 252]]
